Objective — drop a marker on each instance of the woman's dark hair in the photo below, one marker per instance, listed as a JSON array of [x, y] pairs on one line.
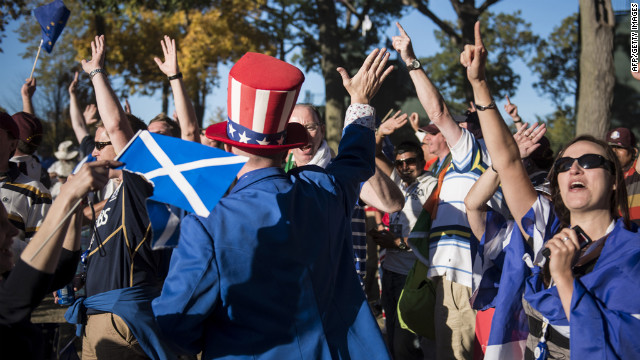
[[618, 200]]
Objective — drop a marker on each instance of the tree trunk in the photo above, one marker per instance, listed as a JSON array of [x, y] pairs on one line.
[[331, 59], [467, 17], [596, 67]]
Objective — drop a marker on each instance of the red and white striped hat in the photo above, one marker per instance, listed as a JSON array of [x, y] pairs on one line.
[[260, 98]]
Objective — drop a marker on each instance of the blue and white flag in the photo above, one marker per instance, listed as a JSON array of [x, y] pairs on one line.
[[499, 277], [165, 225], [186, 174]]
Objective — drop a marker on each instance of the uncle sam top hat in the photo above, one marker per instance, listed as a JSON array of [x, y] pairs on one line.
[[260, 98]]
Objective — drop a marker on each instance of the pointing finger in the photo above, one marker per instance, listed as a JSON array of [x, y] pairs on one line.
[[477, 34], [508, 100], [401, 29]]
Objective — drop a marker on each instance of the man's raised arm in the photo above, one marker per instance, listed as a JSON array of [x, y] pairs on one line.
[[113, 116], [428, 95]]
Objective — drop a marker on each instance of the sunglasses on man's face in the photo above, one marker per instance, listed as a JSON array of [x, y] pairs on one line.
[[408, 161], [586, 161], [101, 145]]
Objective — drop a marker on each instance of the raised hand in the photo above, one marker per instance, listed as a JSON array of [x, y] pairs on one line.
[[89, 114], [402, 44], [511, 109], [366, 83], [392, 124], [97, 55], [527, 138], [74, 85], [28, 88], [474, 57], [170, 65]]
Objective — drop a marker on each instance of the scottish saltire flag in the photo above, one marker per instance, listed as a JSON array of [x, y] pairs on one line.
[[499, 280], [165, 225], [186, 174], [52, 18]]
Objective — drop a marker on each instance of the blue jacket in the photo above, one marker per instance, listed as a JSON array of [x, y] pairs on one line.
[[270, 273]]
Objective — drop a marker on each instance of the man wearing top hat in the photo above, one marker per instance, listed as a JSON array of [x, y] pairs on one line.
[[269, 274]]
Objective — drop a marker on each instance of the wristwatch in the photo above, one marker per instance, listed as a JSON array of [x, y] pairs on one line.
[[403, 246], [415, 64], [492, 105]]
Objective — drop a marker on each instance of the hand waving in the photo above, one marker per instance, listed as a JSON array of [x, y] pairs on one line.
[[528, 138], [474, 58], [97, 56], [392, 124], [366, 83], [170, 65]]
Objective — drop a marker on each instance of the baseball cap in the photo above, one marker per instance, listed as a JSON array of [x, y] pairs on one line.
[[622, 137]]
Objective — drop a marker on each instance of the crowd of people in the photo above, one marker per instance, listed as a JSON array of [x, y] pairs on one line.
[[525, 255]]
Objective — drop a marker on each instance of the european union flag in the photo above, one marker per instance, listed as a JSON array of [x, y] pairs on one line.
[[186, 174], [52, 18]]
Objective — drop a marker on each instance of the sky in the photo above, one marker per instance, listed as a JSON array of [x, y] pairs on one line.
[[543, 15]]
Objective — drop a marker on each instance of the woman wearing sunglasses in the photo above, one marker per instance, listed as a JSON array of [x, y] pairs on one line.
[[584, 299]]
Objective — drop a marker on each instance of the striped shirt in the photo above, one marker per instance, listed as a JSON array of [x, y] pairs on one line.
[[632, 182], [451, 242]]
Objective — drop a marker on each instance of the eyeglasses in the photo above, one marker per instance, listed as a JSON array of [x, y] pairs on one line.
[[408, 161], [101, 145], [586, 161]]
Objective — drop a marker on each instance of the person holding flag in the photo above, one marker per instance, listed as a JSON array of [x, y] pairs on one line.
[[123, 273], [269, 273], [582, 298]]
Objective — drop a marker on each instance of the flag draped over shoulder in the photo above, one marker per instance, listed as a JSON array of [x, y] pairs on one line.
[[52, 18], [499, 279], [185, 174]]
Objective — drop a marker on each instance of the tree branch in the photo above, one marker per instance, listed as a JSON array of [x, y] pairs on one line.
[[421, 6], [486, 5]]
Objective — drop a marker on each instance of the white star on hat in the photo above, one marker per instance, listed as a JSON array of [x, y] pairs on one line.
[[243, 137], [231, 130], [263, 141]]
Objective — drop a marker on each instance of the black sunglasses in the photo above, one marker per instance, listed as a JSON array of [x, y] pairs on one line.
[[101, 145], [586, 161], [408, 161]]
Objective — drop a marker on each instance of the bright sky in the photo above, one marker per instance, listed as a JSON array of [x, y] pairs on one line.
[[543, 15]]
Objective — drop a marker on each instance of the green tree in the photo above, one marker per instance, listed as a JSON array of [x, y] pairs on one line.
[[324, 34], [507, 36], [556, 62], [507, 29], [10, 10]]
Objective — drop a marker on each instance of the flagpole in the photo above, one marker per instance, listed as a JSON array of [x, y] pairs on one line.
[[35, 62]]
